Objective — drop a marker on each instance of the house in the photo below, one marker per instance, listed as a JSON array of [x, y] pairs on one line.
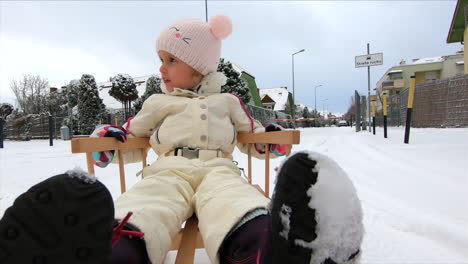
[[268, 103], [276, 98], [458, 31], [250, 79], [398, 77]]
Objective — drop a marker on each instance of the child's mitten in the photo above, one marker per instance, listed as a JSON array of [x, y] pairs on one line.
[[103, 158], [277, 149]]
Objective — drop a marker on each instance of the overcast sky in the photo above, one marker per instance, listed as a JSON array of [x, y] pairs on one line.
[[62, 40]]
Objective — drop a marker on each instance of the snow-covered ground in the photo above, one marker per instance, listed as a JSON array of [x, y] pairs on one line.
[[415, 196]]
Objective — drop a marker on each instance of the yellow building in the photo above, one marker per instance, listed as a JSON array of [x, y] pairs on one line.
[[425, 69]]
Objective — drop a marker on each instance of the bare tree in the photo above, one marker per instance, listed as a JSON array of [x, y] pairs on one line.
[[30, 92], [350, 114]]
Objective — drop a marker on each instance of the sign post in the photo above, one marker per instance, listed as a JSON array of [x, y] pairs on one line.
[[368, 61]]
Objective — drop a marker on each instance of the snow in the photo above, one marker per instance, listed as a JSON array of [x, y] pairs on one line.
[[82, 175], [279, 95], [414, 196], [428, 60], [339, 216]]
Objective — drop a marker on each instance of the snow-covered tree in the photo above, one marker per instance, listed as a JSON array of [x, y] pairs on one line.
[[234, 84], [72, 90], [71, 120], [57, 102], [90, 106], [30, 92], [124, 90], [153, 86]]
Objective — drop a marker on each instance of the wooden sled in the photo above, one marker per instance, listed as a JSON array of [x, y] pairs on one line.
[[189, 238]]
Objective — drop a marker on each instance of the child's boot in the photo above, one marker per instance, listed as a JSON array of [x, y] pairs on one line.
[[249, 242], [316, 214], [67, 218]]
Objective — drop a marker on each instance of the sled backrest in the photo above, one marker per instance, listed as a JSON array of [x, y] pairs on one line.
[[90, 145], [189, 238]]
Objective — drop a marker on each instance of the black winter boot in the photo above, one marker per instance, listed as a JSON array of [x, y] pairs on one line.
[[249, 242], [67, 218], [316, 215]]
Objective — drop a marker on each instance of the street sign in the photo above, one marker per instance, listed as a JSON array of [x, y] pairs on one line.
[[369, 60]]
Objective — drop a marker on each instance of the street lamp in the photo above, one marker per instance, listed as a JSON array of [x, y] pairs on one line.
[[315, 97], [302, 50], [323, 106]]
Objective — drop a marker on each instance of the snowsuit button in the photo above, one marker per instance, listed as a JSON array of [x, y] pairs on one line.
[[203, 138], [203, 117]]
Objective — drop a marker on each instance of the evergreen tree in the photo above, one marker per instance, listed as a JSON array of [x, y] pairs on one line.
[[306, 114], [234, 84], [124, 90], [153, 86], [57, 103], [72, 92], [90, 106]]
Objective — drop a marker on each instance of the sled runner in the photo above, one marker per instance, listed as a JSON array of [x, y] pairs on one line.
[[189, 238]]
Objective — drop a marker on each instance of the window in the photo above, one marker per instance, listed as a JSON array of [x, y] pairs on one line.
[[430, 76], [396, 76]]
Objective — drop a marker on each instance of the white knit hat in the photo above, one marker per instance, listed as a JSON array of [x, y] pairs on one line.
[[195, 42]]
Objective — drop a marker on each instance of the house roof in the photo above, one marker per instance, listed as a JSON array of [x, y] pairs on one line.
[[457, 27], [427, 60], [279, 95], [267, 99], [240, 70]]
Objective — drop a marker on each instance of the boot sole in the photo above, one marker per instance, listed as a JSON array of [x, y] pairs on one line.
[[60, 220], [289, 209]]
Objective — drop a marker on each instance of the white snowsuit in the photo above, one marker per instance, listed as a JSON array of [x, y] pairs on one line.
[[175, 187]]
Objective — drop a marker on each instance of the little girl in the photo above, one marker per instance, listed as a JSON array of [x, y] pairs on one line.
[[192, 127]]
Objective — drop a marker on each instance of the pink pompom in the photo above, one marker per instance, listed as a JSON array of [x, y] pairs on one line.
[[221, 26]]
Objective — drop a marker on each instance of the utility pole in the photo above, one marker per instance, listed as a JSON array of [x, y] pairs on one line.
[[368, 91], [206, 11]]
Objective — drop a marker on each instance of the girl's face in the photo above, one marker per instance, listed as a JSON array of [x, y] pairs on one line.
[[176, 73]]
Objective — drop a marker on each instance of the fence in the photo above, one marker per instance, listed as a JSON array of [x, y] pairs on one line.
[[397, 105], [266, 116], [32, 127], [442, 103]]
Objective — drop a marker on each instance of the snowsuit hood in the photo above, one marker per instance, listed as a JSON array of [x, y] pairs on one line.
[[210, 84]]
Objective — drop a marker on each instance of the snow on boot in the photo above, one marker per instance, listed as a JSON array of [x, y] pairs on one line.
[[67, 218], [316, 214]]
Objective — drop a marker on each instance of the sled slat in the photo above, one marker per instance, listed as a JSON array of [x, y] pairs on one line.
[[186, 252], [249, 166], [278, 137], [89, 162], [83, 145], [189, 238], [121, 172], [267, 170]]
